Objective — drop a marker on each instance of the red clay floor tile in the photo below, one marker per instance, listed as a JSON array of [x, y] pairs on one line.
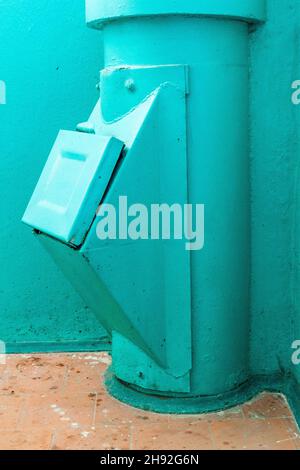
[[58, 401]]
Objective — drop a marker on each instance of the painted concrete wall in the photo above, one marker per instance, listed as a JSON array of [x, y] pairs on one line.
[[50, 62], [275, 154]]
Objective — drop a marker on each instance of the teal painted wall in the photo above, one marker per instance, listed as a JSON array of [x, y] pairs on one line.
[[50, 86], [275, 65], [50, 62]]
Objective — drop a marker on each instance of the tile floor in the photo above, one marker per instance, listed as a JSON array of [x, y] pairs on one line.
[[58, 401]]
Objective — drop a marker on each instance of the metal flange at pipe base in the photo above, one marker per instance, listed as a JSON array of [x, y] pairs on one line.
[[150, 400]]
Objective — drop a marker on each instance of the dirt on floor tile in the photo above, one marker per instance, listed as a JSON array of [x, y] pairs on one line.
[[58, 401]]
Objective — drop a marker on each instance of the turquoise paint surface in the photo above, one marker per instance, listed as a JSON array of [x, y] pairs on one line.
[[276, 196], [241, 343], [37, 304], [217, 176], [63, 203], [138, 289], [50, 62], [275, 189]]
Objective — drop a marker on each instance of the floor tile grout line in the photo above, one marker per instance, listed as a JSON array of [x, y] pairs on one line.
[[53, 439], [65, 379], [24, 401], [212, 437], [94, 410], [131, 437]]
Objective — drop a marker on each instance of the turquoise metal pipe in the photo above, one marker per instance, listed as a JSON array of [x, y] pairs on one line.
[[174, 96], [217, 54]]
